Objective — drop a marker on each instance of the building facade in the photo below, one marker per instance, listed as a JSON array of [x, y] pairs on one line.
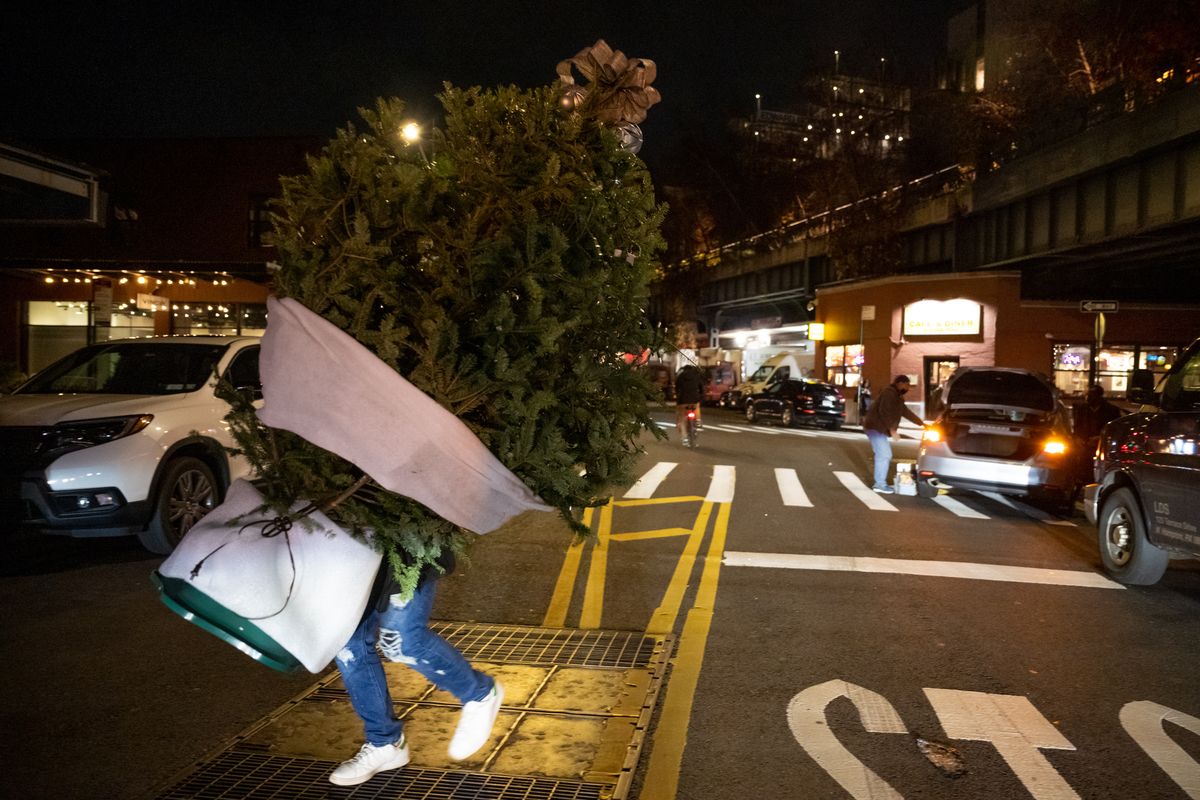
[[108, 239]]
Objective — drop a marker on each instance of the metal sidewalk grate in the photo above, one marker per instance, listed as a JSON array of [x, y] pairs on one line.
[[578, 706], [517, 644], [240, 775]]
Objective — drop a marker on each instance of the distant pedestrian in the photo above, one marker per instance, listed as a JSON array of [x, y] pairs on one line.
[[1093, 414], [881, 424]]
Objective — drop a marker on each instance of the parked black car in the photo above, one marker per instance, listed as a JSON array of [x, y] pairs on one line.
[[791, 401], [1146, 498]]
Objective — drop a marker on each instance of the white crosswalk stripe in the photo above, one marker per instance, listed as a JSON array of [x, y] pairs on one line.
[[958, 508], [860, 490], [645, 486], [790, 490], [720, 489], [1028, 510]]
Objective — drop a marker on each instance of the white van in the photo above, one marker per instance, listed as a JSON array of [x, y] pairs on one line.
[[778, 367]]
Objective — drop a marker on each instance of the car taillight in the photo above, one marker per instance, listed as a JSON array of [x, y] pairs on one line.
[[931, 434], [1054, 447]]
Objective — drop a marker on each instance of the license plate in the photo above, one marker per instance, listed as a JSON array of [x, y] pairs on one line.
[[828, 401], [999, 430]]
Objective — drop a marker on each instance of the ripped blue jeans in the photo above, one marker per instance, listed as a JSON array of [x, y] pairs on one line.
[[403, 635]]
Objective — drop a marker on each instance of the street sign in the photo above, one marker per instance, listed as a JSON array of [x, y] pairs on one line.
[[1098, 306]]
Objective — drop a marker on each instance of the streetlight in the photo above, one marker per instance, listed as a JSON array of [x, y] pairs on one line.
[[410, 132]]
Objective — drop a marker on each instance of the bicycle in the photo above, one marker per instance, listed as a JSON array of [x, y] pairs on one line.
[[691, 431]]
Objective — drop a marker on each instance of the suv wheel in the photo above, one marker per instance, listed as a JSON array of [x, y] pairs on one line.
[[187, 492], [1128, 556], [788, 416], [751, 414]]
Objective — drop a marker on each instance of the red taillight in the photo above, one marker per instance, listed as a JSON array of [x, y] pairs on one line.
[[691, 415]]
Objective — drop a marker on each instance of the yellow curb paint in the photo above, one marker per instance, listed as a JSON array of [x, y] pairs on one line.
[[661, 533], [670, 738], [658, 501], [560, 601], [663, 619], [593, 594]]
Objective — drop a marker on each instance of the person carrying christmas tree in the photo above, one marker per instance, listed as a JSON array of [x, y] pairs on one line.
[[492, 283]]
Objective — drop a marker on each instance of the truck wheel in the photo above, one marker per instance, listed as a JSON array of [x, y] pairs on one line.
[[1128, 556], [188, 490], [751, 414]]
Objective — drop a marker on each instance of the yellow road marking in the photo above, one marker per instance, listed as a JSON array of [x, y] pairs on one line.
[[657, 501], [564, 587], [662, 776], [663, 619], [593, 594], [634, 536]]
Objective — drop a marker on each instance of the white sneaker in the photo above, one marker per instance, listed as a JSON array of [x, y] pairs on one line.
[[475, 724], [370, 761]]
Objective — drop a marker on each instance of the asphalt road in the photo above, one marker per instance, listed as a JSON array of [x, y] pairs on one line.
[[819, 661]]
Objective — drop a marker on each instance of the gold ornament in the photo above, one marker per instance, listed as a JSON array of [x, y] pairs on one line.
[[618, 90]]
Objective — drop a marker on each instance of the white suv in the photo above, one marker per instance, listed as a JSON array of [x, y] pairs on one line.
[[125, 437]]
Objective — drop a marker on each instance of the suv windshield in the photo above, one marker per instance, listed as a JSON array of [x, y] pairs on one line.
[[129, 368]]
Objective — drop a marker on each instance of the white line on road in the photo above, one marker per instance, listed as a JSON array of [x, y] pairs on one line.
[[769, 431], [790, 490], [860, 490], [1028, 510], [933, 569], [723, 428], [962, 510], [645, 486], [720, 490]]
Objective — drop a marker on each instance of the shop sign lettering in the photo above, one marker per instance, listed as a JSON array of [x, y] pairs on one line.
[[943, 318]]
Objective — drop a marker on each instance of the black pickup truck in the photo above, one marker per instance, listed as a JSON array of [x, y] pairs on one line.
[[1146, 498]]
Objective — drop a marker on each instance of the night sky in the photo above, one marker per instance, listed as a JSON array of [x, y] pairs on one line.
[[299, 68]]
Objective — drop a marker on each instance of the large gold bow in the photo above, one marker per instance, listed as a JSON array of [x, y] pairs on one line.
[[618, 90]]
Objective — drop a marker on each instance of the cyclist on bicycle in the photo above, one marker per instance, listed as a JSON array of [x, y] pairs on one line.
[[689, 391]]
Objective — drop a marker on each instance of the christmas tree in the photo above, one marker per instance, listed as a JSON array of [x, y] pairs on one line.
[[500, 265]]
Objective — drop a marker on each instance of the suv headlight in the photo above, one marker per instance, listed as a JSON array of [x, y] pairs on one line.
[[68, 436]]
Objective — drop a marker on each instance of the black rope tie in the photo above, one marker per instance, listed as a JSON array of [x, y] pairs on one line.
[[282, 524], [271, 528]]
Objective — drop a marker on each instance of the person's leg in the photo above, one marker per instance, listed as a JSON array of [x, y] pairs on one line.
[[881, 448], [363, 676], [404, 636], [680, 421]]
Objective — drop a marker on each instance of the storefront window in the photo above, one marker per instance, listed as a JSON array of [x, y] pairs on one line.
[[1157, 359], [1113, 366], [843, 364], [219, 319]]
